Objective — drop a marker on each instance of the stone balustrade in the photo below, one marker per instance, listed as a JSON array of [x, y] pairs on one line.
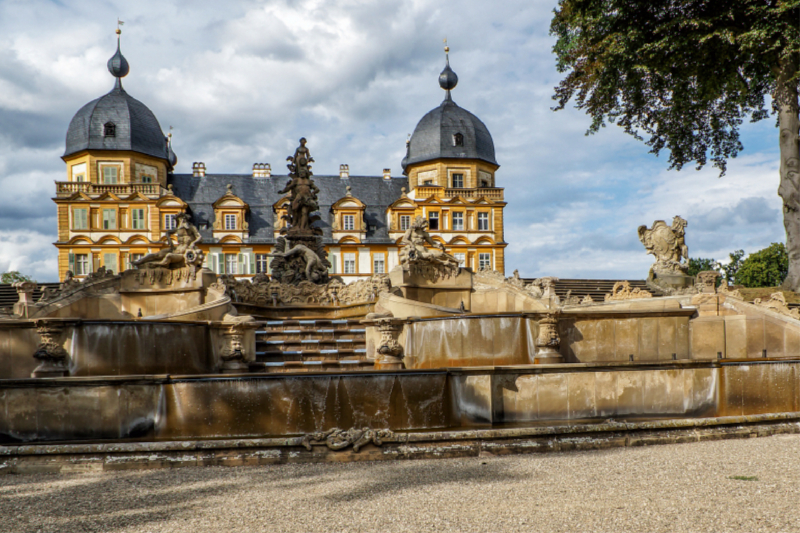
[[66, 188]]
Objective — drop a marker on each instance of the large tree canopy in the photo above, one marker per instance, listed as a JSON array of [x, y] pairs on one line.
[[683, 75]]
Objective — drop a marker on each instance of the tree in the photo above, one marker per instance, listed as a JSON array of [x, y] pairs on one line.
[[733, 266], [13, 277], [682, 75], [697, 265], [764, 268]]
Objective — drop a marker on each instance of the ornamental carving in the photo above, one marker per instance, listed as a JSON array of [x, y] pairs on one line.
[[777, 303], [668, 245], [233, 356], [390, 348], [431, 263], [548, 342], [725, 289], [622, 291], [339, 439], [263, 291], [296, 262], [707, 281], [50, 352], [184, 254], [71, 284]]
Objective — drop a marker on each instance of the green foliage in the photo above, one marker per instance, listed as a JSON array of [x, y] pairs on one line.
[[13, 277], [681, 75], [699, 264], [765, 268], [743, 478], [733, 266]]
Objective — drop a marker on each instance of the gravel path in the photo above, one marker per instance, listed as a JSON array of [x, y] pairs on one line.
[[685, 487]]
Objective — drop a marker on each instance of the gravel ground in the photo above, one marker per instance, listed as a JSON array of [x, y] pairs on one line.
[[685, 487]]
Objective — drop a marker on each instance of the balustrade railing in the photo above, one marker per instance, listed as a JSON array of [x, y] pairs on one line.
[[71, 187]]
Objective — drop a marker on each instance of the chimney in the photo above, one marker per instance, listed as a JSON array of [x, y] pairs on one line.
[[387, 173], [344, 171], [198, 170], [261, 170]]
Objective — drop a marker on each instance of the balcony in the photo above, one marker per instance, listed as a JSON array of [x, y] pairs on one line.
[[426, 191], [68, 188]]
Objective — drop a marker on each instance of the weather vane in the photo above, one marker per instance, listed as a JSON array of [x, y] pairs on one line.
[[446, 48], [119, 23]]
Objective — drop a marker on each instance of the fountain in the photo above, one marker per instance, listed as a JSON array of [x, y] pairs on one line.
[[430, 360]]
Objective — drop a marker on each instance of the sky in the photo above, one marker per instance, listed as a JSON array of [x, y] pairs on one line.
[[241, 81]]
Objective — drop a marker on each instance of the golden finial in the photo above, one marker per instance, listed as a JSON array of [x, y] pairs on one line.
[[119, 23], [446, 48]]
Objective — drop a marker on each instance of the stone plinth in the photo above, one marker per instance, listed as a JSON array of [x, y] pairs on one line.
[[162, 291], [446, 292], [671, 281]]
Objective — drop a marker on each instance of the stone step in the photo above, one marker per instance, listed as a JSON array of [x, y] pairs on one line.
[[326, 365], [308, 331], [310, 354]]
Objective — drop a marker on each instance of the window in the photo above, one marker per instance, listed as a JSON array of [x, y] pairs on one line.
[[458, 181], [483, 221], [81, 264], [405, 222], [230, 222], [349, 263], [110, 262], [484, 261], [433, 221], [169, 222], [427, 182], [379, 264], [461, 257], [458, 139], [109, 129], [458, 221], [348, 222], [79, 172], [147, 179], [110, 175], [231, 264], [262, 263], [79, 219], [109, 219], [137, 218]]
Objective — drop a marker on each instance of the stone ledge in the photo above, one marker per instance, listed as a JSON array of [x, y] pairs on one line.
[[72, 458]]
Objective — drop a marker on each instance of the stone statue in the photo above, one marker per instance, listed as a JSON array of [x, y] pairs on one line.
[[432, 263], [668, 246], [185, 253], [299, 253], [302, 190], [315, 269]]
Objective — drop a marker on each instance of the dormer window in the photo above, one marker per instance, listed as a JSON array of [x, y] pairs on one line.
[[458, 139], [109, 129]]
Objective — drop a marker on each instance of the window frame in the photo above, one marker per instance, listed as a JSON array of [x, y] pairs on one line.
[[262, 259], [405, 222], [483, 216], [231, 259], [117, 175], [379, 258], [348, 220], [460, 176], [433, 215], [85, 212], [481, 256], [227, 224], [458, 221], [141, 220], [173, 217], [107, 221], [349, 263], [82, 265]]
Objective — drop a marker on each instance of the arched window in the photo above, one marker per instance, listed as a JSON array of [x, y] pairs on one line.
[[458, 139], [109, 129]]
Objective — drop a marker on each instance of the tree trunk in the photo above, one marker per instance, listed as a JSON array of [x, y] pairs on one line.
[[786, 99]]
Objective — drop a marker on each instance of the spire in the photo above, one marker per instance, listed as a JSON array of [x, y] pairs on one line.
[[447, 79], [118, 65]]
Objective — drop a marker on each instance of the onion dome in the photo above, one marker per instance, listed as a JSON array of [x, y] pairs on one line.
[[117, 121], [449, 131]]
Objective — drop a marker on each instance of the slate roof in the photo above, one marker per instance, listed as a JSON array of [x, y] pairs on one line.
[[262, 193], [433, 136], [137, 128]]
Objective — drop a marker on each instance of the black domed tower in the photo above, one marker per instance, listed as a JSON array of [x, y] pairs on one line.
[[450, 164], [112, 205]]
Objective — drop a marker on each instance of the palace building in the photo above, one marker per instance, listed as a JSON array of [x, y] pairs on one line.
[[121, 195]]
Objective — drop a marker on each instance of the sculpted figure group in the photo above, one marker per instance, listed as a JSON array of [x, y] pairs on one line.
[[432, 263]]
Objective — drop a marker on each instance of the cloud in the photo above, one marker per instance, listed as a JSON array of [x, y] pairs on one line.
[[241, 84]]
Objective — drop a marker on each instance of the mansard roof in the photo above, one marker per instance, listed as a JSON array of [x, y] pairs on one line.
[[262, 193]]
